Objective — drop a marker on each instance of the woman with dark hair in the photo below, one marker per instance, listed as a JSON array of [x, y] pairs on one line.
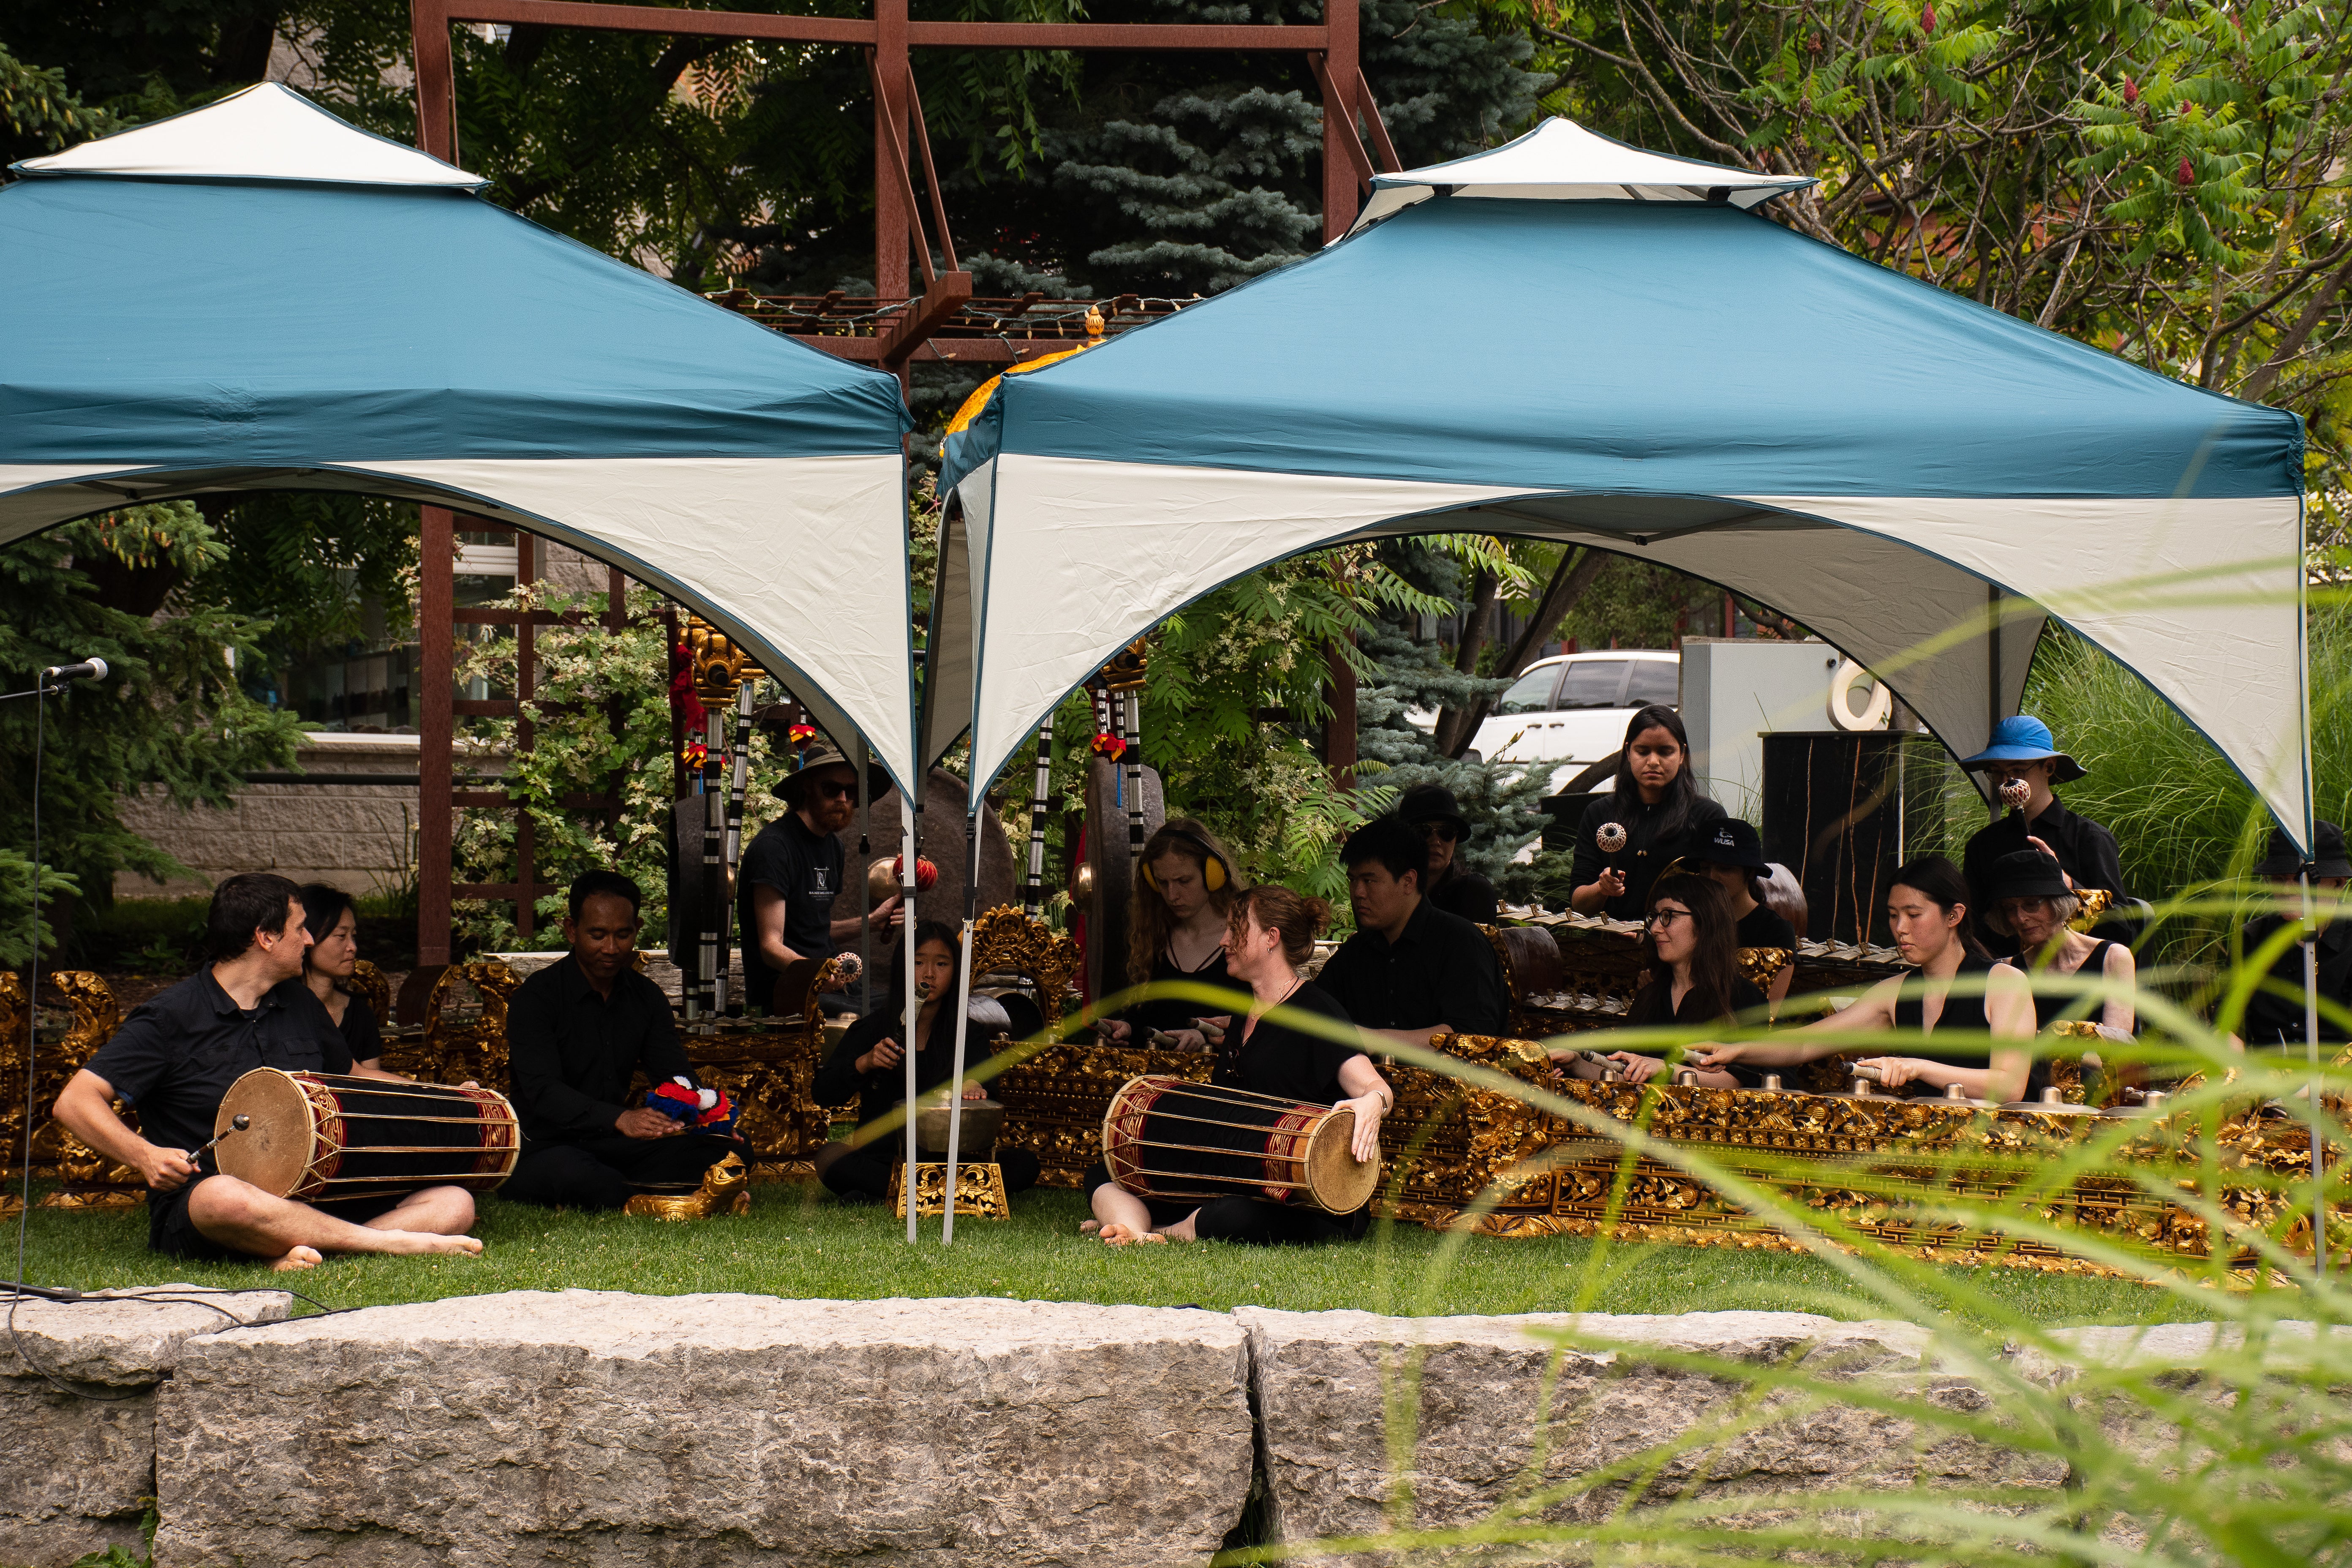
[[1273, 932], [1954, 989], [327, 968], [1651, 817], [1694, 976], [1176, 931], [2033, 907], [870, 1063], [1732, 856]]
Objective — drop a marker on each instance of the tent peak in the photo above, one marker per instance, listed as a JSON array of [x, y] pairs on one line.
[[1561, 161], [267, 132]]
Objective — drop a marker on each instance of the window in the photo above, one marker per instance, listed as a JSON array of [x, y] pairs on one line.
[[1593, 683], [1657, 681], [1531, 692]]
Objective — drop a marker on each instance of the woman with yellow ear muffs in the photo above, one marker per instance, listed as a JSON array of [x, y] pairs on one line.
[[1176, 931]]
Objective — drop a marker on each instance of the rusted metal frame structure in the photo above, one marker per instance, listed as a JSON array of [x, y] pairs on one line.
[[438, 617], [909, 325], [888, 36]]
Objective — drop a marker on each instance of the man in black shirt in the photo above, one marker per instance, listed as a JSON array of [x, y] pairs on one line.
[[577, 1032], [2273, 1019], [175, 1058], [792, 874], [1411, 971], [2021, 763], [1431, 810]]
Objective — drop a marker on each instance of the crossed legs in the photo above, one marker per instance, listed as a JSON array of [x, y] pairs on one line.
[[243, 1218]]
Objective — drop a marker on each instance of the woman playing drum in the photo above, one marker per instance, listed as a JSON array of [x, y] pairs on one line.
[[1956, 989], [1272, 932]]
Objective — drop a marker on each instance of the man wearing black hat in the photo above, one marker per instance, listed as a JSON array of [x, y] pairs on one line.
[[1732, 856], [792, 874], [2273, 1019], [1430, 810]]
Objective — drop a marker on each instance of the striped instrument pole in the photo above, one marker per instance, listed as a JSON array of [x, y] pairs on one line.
[[1034, 897]]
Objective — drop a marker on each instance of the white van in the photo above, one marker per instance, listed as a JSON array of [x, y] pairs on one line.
[[1571, 709]]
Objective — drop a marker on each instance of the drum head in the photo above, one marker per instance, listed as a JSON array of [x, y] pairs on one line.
[[1337, 1182], [275, 1150]]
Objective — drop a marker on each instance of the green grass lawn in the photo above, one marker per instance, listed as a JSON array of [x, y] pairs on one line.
[[799, 1242]]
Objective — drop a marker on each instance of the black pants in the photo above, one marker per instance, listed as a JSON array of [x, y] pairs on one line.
[[867, 1170], [606, 1173], [1245, 1220]]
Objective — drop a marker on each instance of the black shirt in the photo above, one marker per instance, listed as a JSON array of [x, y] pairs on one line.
[[177, 1054], [1692, 1012], [571, 1052], [1760, 927], [804, 868], [2051, 1006], [2277, 1020], [1172, 1013], [1467, 894], [362, 1036], [1646, 852], [1441, 970], [2086, 850], [1960, 1012], [1288, 1062], [881, 1091]]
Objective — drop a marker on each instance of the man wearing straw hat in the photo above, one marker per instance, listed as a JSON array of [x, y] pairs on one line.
[[792, 874]]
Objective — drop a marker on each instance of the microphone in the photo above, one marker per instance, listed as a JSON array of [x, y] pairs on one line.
[[88, 669]]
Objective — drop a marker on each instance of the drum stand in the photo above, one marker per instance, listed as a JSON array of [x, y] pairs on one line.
[[980, 1190]]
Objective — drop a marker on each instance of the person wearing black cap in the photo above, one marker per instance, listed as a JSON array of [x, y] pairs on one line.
[[2021, 763], [2274, 1014], [1431, 810], [1732, 856], [2031, 905], [792, 874]]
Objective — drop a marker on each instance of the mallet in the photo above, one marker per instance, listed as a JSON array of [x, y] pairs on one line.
[[237, 1123]]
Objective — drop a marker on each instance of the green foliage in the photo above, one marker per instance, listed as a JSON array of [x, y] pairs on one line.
[[311, 562], [599, 722], [169, 716], [38, 114]]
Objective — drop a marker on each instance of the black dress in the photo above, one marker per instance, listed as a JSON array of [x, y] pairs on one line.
[[1960, 1014], [361, 1032], [2049, 1009], [1174, 1012], [1289, 1063], [1692, 1013], [1647, 850], [1760, 927]]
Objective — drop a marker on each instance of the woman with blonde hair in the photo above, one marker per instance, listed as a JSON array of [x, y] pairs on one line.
[[1176, 931]]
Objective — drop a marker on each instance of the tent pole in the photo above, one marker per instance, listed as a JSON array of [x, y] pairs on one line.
[[963, 1014], [2310, 931], [864, 879], [1993, 715], [907, 820]]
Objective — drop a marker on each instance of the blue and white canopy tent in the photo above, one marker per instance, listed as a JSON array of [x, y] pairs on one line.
[[1557, 340], [259, 295], [1570, 339]]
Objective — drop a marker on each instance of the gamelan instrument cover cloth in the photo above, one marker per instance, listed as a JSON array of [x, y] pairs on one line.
[[1170, 1138], [332, 311], [323, 1137], [1909, 473]]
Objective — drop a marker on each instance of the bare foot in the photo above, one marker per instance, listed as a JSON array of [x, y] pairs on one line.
[[1088, 1227], [1118, 1235], [410, 1242], [298, 1258]]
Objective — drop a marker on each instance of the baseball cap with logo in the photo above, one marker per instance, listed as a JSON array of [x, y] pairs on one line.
[[1730, 842]]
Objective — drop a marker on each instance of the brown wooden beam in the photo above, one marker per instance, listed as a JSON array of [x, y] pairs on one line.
[[680, 23], [1391, 162], [1340, 74], [949, 294], [1112, 36], [658, 19]]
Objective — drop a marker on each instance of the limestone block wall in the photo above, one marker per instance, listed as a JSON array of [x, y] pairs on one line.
[[357, 837], [722, 1431]]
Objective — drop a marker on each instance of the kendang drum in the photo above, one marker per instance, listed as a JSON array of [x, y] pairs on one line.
[[1172, 1138], [321, 1137]]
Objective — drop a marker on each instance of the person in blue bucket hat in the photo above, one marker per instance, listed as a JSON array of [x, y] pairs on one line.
[[2021, 764]]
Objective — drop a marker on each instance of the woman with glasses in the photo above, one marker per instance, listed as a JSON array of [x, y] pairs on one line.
[[2033, 905], [2021, 764], [1431, 810], [1973, 1015], [1653, 816], [1694, 978]]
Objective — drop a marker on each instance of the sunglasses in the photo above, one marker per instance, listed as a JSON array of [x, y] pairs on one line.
[[1439, 830], [833, 789]]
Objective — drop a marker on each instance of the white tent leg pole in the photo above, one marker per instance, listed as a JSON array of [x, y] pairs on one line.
[[963, 1014], [2310, 933], [914, 1008], [865, 880]]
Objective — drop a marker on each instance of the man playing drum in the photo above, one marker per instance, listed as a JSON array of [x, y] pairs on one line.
[[577, 1032], [175, 1056]]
